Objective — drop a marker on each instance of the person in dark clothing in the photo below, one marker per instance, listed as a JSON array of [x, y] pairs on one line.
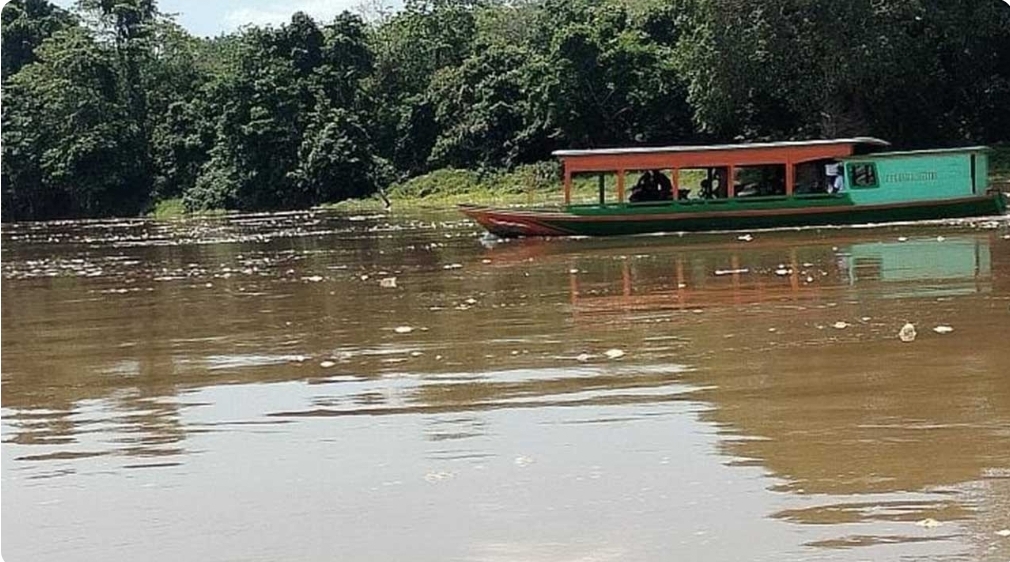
[[644, 190], [706, 189], [664, 189]]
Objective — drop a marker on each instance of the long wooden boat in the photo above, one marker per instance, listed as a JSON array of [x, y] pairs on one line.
[[760, 185]]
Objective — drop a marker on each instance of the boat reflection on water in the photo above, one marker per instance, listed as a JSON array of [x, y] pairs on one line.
[[872, 441], [768, 273], [922, 267]]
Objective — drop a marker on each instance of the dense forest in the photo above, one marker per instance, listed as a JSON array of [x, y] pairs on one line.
[[112, 106]]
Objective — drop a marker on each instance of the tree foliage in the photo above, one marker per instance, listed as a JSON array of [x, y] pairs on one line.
[[25, 24], [113, 106], [70, 147]]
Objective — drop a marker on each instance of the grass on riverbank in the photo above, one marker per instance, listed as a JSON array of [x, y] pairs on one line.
[[169, 209], [535, 184], [530, 185]]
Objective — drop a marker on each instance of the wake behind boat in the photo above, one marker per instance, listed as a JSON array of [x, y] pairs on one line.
[[759, 185]]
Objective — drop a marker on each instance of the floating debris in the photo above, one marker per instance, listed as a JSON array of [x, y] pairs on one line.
[[388, 283], [453, 266], [781, 272], [840, 325], [583, 357], [523, 461], [907, 333], [327, 364], [940, 238], [403, 329], [471, 301], [614, 353], [438, 476], [745, 238], [943, 329], [729, 272], [929, 523], [902, 239], [1003, 532], [573, 271]]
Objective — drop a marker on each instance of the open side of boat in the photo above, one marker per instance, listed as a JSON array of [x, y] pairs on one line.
[[791, 184]]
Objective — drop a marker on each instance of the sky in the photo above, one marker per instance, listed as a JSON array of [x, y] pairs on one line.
[[214, 17]]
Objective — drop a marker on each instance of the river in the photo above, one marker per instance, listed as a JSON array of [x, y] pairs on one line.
[[315, 386]]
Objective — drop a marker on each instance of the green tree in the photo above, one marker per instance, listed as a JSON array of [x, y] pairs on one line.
[[615, 85], [179, 119], [915, 72], [484, 110], [70, 147], [292, 95], [408, 49], [25, 24]]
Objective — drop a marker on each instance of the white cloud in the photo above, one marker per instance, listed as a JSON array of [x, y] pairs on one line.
[[278, 12]]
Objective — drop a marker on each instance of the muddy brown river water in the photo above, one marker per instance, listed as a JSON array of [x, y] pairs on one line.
[[317, 387]]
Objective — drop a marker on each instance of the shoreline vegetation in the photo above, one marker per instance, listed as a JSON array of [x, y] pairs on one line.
[[533, 185], [110, 108]]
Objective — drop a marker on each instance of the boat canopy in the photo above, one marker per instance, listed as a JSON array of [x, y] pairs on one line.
[[644, 158], [728, 156]]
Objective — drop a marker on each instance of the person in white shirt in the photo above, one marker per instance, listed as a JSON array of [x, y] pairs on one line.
[[834, 172]]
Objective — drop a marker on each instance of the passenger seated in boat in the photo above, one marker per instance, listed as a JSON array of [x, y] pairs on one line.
[[644, 189], [833, 173], [664, 189], [706, 189], [839, 184]]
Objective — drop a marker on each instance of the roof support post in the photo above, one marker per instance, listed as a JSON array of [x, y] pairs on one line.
[[730, 182], [620, 186], [675, 180], [568, 186], [603, 189], [790, 178]]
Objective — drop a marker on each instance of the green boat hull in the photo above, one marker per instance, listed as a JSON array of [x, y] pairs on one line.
[[740, 214]]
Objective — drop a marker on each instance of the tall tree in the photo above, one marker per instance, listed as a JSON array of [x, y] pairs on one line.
[[910, 70], [25, 24], [70, 147], [615, 84], [409, 48], [485, 112], [179, 120], [292, 95]]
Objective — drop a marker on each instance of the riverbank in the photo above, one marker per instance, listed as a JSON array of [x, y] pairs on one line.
[[532, 184], [529, 185]]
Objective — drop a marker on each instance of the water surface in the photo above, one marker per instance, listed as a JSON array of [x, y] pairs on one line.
[[315, 386]]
